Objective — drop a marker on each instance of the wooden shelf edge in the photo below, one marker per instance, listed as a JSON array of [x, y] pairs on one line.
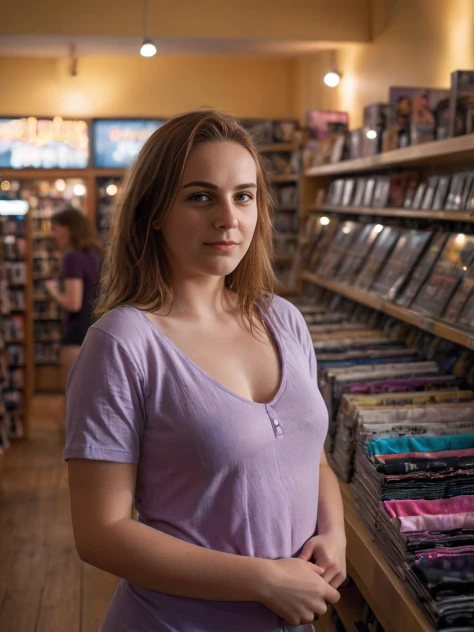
[[432, 325], [396, 610], [449, 216], [458, 148]]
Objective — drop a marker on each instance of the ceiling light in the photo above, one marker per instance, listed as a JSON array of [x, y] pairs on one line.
[[324, 221], [332, 78], [111, 189], [60, 185], [5, 185], [148, 49]]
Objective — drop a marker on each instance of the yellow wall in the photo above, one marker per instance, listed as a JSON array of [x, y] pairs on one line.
[[415, 43], [161, 86]]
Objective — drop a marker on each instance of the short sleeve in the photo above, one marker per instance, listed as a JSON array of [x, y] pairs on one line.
[[105, 402], [293, 320], [308, 346], [72, 266]]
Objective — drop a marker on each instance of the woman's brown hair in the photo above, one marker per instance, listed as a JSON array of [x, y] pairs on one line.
[[136, 271], [81, 234]]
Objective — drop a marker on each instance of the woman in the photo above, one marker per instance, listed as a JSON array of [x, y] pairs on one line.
[[194, 398], [81, 263]]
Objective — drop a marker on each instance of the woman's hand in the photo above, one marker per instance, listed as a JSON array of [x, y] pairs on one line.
[[52, 287], [294, 590], [329, 553]]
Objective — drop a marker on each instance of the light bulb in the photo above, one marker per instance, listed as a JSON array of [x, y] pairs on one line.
[[148, 49], [464, 268], [5, 185], [371, 134], [79, 189], [111, 190], [324, 221], [346, 230], [60, 185], [332, 78]]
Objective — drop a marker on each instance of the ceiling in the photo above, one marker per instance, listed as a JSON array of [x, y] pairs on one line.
[[60, 46]]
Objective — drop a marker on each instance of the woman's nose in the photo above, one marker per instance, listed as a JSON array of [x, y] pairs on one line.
[[225, 216]]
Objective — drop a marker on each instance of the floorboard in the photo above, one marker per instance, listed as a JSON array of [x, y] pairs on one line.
[[44, 587]]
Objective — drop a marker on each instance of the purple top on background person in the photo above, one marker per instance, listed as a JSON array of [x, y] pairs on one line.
[[78, 264], [214, 469]]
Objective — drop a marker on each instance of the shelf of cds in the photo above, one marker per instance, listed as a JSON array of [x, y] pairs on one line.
[[387, 259], [401, 430], [451, 151], [15, 322]]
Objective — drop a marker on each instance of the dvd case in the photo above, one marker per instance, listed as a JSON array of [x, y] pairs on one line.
[[375, 261], [421, 114], [461, 111]]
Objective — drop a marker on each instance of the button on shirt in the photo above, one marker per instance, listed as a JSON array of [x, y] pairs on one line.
[[214, 469]]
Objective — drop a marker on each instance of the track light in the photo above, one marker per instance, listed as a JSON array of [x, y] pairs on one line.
[[148, 49], [332, 78]]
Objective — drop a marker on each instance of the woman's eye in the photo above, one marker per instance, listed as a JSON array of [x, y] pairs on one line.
[[199, 197], [244, 197]]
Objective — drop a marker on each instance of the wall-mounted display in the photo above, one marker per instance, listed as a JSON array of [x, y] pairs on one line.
[[32, 143], [118, 141]]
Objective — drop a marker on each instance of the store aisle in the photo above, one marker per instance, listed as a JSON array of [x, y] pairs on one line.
[[44, 587]]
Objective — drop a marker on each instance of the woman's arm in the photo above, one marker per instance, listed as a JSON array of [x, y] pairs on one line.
[[107, 537], [330, 507], [328, 547], [71, 299]]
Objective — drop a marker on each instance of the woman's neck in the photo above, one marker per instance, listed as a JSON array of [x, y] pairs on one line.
[[201, 299]]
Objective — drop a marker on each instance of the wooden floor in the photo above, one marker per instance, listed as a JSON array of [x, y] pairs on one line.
[[44, 587]]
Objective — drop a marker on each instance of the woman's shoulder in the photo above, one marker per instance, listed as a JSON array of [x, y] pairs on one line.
[[124, 324], [287, 315]]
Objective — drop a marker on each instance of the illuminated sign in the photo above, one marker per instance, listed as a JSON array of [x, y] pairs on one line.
[[117, 142], [31, 143]]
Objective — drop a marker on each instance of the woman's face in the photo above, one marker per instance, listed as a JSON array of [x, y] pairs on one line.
[[61, 235], [212, 222]]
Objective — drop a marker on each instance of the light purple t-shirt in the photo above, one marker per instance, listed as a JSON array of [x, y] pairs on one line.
[[214, 469]]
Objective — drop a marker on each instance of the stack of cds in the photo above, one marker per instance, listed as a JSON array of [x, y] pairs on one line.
[[402, 425]]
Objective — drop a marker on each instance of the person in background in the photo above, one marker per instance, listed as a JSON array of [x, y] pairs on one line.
[[195, 399], [80, 272]]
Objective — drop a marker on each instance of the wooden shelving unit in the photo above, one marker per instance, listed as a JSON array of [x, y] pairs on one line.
[[274, 147], [392, 604], [447, 216], [385, 593], [449, 152], [432, 325], [282, 179]]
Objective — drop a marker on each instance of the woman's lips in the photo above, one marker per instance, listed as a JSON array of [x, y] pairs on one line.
[[223, 246]]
